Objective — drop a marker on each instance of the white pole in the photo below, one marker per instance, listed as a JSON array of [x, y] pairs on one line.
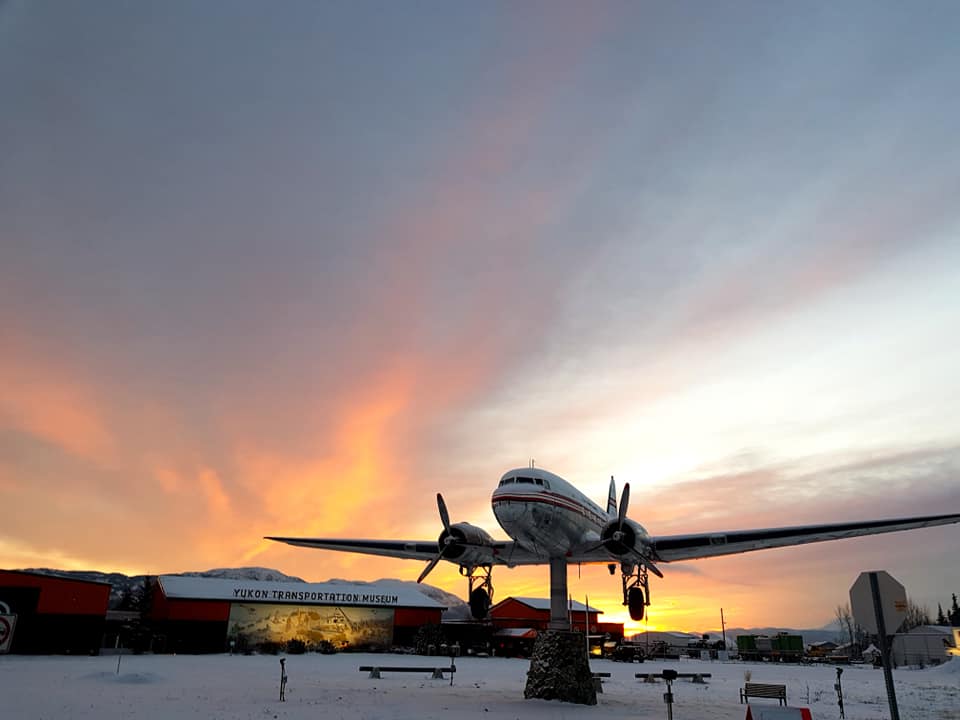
[[586, 624]]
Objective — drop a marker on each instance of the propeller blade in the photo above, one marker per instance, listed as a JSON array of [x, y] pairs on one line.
[[444, 515], [624, 503], [429, 568]]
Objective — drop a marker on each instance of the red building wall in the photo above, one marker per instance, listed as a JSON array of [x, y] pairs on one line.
[[61, 596], [415, 617], [163, 608], [55, 614], [512, 613]]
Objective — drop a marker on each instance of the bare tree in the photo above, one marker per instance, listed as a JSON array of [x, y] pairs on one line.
[[844, 620], [917, 616]]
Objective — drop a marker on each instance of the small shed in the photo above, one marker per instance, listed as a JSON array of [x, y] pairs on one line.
[[924, 645], [821, 648], [514, 642]]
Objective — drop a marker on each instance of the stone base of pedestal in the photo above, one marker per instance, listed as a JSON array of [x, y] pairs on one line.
[[559, 669]]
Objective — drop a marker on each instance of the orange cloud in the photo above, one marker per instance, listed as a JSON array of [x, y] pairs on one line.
[[46, 402], [339, 489]]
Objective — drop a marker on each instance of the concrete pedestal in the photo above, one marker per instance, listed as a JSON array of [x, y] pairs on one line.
[[559, 669]]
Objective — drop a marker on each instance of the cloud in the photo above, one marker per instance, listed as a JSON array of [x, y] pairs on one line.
[[51, 403], [28, 555], [885, 483]]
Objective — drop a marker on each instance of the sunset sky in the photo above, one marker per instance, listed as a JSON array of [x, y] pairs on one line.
[[293, 268]]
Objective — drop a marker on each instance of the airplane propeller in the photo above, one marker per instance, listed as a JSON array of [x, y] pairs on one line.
[[620, 540], [618, 534], [447, 539]]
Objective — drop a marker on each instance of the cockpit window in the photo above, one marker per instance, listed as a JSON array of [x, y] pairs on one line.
[[538, 481], [506, 481], [528, 481]]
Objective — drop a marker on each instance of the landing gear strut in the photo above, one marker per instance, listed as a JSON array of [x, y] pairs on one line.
[[636, 589], [481, 589]]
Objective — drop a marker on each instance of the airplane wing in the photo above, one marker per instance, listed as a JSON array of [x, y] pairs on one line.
[[495, 553], [668, 548]]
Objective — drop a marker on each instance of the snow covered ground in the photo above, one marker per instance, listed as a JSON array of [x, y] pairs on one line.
[[239, 687]]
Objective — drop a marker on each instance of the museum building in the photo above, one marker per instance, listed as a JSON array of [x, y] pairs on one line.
[[198, 615]]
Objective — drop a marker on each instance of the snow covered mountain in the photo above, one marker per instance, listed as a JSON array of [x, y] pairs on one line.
[[259, 574]]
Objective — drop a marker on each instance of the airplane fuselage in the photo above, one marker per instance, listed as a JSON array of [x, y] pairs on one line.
[[546, 514]]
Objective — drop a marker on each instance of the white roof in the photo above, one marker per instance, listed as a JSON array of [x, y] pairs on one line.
[[929, 630], [544, 604], [672, 635], [516, 632], [384, 593]]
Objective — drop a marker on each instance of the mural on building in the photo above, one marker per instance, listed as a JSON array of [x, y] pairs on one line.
[[341, 626]]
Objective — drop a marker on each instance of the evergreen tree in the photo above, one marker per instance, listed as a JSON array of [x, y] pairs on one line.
[[954, 616], [941, 618], [136, 633]]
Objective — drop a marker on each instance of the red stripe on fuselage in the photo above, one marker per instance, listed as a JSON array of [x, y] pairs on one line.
[[548, 498]]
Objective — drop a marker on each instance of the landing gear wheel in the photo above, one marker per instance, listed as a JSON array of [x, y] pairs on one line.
[[635, 602], [479, 603]]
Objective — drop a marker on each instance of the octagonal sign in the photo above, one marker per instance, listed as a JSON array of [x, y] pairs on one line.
[[893, 602]]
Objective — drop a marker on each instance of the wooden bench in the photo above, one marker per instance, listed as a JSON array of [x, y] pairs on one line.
[[597, 678], [653, 677], [435, 672], [763, 690]]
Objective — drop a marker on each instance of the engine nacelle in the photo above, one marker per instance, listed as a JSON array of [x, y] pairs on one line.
[[623, 539], [464, 538]]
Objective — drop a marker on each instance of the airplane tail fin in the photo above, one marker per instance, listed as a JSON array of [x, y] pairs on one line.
[[612, 498]]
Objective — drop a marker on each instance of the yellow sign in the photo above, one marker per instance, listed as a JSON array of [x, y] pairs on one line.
[[955, 650]]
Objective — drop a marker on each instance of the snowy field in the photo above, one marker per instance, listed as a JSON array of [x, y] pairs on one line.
[[330, 686]]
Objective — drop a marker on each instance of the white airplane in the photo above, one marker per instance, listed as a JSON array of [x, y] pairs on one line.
[[551, 522]]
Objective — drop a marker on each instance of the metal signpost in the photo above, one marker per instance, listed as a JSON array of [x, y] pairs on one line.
[[839, 690], [879, 605], [669, 676]]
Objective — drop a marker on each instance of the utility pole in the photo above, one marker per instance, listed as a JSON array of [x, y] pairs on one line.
[[723, 630]]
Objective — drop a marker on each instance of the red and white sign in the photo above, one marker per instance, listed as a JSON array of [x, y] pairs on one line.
[[7, 625], [768, 712]]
